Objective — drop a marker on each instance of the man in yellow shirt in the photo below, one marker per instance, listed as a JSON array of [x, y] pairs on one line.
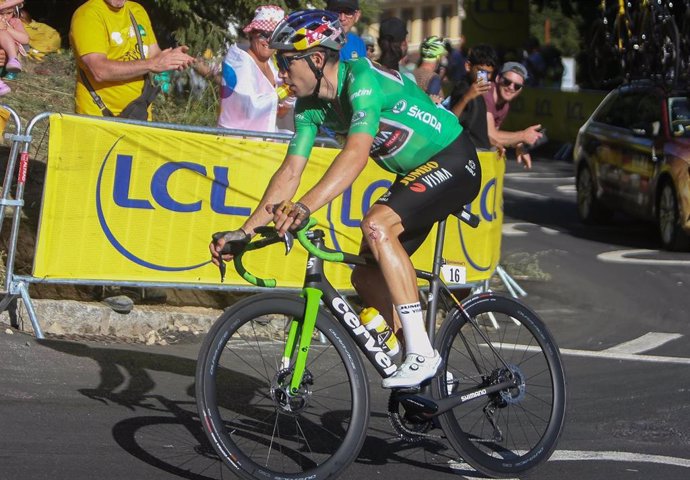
[[105, 45]]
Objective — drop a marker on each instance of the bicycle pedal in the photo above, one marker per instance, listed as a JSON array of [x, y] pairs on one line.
[[407, 390]]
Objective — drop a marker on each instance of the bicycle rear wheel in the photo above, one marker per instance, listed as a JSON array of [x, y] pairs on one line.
[[667, 51], [604, 62], [515, 429], [257, 428]]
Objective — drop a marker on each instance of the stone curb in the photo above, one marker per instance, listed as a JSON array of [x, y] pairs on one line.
[[70, 317]]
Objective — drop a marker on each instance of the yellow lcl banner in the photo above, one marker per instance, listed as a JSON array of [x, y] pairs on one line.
[[138, 203]]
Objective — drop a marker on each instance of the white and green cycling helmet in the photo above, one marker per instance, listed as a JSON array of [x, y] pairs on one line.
[[432, 48]]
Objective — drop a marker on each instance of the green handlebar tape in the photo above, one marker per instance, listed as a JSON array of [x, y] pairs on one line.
[[311, 248], [254, 280]]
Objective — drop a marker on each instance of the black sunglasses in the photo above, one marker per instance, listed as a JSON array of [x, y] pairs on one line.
[[263, 35], [507, 83], [285, 62]]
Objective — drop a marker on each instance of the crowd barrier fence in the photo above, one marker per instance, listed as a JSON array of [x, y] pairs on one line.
[[133, 204]]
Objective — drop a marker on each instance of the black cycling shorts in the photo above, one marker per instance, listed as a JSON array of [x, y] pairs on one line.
[[429, 193]]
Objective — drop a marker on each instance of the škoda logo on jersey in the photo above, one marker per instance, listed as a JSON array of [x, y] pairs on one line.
[[429, 174]]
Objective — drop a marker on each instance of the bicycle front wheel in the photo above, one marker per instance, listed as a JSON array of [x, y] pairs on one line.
[[258, 427], [514, 429], [604, 61]]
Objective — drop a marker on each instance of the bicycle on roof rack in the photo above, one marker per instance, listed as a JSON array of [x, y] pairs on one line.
[[635, 40], [283, 393]]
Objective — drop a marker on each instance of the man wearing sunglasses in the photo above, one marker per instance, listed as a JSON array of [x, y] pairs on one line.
[[385, 116], [506, 88], [348, 13]]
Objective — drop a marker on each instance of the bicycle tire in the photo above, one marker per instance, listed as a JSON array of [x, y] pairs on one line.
[[684, 47], [667, 51], [528, 418], [238, 393], [604, 64]]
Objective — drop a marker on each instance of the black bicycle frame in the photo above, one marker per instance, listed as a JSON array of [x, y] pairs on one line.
[[315, 279]]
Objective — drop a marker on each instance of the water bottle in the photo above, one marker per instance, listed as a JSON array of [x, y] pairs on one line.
[[377, 326], [283, 91]]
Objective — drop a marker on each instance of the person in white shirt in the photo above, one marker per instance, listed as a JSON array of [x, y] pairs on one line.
[[249, 81]]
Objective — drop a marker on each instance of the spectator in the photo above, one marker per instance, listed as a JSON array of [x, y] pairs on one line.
[[248, 81], [535, 62], [456, 61], [504, 90], [108, 57], [393, 45], [466, 100], [370, 43], [554, 67], [348, 13], [425, 75], [42, 38], [12, 38], [112, 80]]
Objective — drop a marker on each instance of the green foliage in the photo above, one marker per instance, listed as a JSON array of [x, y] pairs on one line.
[[564, 29], [202, 24]]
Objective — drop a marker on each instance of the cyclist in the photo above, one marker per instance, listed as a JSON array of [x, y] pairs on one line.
[[384, 116], [432, 50]]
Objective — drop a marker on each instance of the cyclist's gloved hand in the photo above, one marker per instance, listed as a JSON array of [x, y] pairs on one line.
[[231, 243], [289, 216]]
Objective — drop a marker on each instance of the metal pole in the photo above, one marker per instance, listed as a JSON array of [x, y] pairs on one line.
[[24, 292]]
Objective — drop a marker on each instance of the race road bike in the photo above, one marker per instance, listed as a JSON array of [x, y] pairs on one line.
[[282, 391]]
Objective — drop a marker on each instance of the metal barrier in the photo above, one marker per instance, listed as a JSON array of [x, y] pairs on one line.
[[16, 286]]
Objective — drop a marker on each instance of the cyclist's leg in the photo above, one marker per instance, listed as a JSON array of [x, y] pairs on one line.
[[372, 289], [381, 227], [400, 221]]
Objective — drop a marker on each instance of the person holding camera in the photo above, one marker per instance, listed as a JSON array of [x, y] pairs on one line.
[[505, 89], [466, 99], [112, 69]]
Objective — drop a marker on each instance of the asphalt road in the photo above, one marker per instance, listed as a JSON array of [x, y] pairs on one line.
[[619, 309]]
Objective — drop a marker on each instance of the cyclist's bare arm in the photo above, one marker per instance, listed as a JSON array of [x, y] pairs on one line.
[[346, 167], [282, 186]]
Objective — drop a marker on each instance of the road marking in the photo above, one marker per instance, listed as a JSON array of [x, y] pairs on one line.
[[606, 456], [512, 229], [576, 455], [532, 177], [648, 341], [550, 231], [604, 354], [566, 189], [520, 193], [625, 256]]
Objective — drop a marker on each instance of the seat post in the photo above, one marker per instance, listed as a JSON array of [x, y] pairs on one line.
[[434, 282]]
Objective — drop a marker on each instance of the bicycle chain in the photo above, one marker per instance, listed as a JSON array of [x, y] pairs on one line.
[[400, 424]]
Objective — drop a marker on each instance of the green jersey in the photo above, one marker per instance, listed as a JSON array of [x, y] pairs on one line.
[[408, 128]]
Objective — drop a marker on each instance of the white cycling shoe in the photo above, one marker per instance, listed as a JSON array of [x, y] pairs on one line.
[[413, 371]]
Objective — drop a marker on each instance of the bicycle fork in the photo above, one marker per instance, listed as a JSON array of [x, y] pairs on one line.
[[304, 335]]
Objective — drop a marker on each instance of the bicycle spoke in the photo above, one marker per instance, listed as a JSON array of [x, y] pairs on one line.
[[501, 432], [253, 409]]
